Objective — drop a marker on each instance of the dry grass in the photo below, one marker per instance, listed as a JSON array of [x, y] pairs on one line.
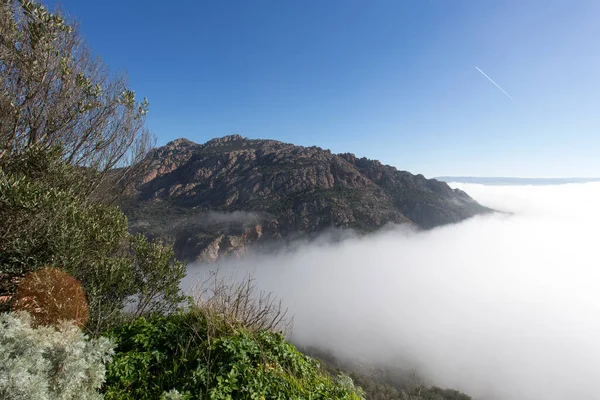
[[239, 301]]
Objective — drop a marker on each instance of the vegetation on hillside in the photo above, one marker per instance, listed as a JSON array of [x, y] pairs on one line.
[[386, 382], [203, 356]]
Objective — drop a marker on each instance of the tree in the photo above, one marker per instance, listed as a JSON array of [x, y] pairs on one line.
[[54, 94]]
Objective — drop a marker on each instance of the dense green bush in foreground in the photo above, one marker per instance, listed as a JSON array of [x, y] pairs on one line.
[[49, 221], [204, 358]]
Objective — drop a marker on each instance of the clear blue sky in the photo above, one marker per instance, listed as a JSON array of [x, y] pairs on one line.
[[392, 80]]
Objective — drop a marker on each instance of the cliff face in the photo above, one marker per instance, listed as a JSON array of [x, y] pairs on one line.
[[217, 198]]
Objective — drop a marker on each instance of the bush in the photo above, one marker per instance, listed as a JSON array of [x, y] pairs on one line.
[[48, 220], [51, 296], [48, 363], [203, 357]]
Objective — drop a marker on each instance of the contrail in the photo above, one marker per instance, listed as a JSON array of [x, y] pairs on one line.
[[495, 84]]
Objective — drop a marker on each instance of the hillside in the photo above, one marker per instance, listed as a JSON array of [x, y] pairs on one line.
[[217, 198]]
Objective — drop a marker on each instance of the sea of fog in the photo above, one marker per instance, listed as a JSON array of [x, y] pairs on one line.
[[499, 306]]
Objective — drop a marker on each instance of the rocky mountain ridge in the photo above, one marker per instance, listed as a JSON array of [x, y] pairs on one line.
[[215, 199]]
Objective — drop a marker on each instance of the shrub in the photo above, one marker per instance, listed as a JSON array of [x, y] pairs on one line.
[[47, 363], [184, 352], [51, 295], [48, 220]]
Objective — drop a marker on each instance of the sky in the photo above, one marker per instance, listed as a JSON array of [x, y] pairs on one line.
[[398, 81]]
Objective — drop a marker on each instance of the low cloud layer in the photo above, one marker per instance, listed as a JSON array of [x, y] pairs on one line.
[[235, 217], [500, 307]]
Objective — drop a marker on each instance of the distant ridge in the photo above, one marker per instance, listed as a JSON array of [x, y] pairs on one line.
[[508, 181]]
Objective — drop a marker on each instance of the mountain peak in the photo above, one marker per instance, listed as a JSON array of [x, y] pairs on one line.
[[270, 189], [180, 142], [226, 139]]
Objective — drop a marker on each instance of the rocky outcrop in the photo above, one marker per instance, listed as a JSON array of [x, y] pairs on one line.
[[216, 198]]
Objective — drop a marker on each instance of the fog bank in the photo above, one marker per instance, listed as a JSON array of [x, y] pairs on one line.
[[500, 307]]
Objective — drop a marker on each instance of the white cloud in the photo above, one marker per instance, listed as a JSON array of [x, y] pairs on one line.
[[500, 306]]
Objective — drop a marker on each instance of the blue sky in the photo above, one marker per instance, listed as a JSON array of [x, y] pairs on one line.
[[391, 80]]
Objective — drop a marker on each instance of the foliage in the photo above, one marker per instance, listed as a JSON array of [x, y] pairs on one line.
[[48, 363], [204, 356], [156, 276], [50, 296], [48, 220], [53, 92]]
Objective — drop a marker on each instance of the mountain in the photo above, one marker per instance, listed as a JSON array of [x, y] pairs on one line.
[[509, 181], [215, 199]]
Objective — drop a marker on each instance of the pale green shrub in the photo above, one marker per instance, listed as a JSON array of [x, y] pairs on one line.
[[49, 363], [173, 394]]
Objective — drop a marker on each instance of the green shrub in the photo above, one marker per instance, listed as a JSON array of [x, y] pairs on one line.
[[49, 220], [204, 357], [47, 363]]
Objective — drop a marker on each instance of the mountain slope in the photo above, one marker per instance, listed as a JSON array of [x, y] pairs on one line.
[[214, 199]]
